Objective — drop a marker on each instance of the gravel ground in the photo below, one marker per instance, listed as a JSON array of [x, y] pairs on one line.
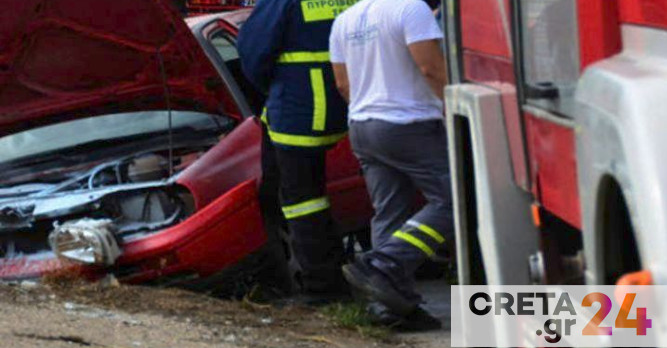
[[119, 316]]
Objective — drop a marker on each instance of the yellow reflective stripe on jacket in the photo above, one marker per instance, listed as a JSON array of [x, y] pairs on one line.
[[319, 99], [304, 57], [306, 208], [428, 230], [264, 118], [322, 10], [415, 242], [305, 140]]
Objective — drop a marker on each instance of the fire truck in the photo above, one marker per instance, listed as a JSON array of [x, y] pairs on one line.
[[557, 123]]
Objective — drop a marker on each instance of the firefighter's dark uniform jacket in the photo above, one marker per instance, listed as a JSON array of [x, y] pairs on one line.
[[284, 48]]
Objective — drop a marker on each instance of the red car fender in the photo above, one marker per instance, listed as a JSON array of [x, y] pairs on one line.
[[25, 268], [236, 159], [222, 233]]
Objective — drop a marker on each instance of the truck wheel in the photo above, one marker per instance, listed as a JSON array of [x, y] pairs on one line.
[[621, 255]]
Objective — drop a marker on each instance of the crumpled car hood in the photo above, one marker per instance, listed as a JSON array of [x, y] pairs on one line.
[[63, 59]]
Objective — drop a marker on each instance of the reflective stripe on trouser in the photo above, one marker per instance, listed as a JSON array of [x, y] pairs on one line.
[[420, 236], [316, 245], [306, 208], [401, 254]]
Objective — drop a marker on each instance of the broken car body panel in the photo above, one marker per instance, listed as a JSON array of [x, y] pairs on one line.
[[237, 155]]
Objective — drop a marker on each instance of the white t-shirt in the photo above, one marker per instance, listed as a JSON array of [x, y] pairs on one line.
[[371, 38]]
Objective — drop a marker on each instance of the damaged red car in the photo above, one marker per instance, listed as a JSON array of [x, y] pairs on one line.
[[128, 146]]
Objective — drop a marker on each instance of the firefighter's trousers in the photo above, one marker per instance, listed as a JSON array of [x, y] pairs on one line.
[[398, 161], [317, 246]]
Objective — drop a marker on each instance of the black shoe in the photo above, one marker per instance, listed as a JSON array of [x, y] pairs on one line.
[[380, 315], [417, 321], [377, 287], [318, 299]]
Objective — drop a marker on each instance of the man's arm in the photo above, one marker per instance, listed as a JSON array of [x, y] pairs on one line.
[[431, 62], [423, 37], [342, 83], [337, 56]]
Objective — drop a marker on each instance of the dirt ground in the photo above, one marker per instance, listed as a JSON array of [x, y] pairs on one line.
[[119, 316]]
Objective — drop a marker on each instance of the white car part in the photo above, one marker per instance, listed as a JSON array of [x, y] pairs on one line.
[[86, 241]]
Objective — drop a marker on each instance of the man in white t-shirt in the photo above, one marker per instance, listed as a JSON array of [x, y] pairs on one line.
[[389, 66]]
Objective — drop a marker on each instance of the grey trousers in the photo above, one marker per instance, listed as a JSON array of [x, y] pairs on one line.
[[399, 160]]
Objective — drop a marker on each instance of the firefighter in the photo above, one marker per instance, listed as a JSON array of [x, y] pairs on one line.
[[284, 48]]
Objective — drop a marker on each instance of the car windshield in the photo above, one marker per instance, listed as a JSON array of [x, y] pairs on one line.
[[61, 136]]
